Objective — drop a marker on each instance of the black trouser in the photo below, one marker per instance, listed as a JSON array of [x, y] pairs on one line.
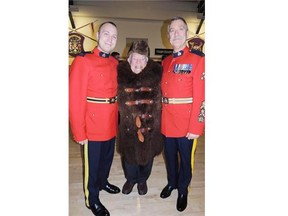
[[98, 157], [137, 173], [178, 176]]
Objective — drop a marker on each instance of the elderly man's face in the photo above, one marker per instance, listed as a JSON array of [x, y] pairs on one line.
[[178, 34], [137, 62]]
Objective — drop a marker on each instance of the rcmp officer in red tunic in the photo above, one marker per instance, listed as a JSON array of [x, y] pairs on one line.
[[93, 114], [182, 109]]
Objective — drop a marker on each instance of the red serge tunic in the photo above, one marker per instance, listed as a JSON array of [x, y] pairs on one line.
[[183, 77], [93, 75]]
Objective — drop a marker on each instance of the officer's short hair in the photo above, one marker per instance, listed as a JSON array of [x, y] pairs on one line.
[[112, 23]]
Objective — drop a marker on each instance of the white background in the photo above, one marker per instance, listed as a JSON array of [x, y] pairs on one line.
[[246, 108]]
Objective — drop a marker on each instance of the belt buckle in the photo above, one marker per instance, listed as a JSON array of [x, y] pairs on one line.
[[112, 100], [165, 100]]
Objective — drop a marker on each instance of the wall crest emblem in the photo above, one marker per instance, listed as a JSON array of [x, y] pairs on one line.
[[196, 43], [75, 44]]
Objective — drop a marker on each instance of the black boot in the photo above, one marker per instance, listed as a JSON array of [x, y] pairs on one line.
[[99, 210], [181, 202]]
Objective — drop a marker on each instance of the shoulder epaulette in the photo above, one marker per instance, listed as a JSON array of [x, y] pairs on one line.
[[84, 53], [197, 52]]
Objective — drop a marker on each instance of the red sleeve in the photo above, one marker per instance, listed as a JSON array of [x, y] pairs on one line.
[[78, 81], [196, 125]]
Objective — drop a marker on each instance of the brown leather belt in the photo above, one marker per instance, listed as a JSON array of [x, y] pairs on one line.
[[144, 130], [137, 102], [145, 116], [177, 100], [145, 89], [102, 100]]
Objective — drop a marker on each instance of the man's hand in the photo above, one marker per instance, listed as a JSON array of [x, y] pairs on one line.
[[191, 136], [83, 142]]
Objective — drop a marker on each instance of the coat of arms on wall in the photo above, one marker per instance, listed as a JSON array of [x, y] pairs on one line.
[[75, 44], [196, 43]]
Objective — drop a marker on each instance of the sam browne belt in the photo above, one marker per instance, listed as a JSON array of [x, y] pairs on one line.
[[102, 100], [177, 100]]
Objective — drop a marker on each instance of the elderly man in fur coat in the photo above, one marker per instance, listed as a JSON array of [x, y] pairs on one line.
[[139, 101]]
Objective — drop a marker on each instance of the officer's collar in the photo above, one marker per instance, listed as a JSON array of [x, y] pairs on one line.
[[104, 55], [177, 54]]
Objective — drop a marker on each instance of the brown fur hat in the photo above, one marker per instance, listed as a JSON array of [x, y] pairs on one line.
[[141, 47]]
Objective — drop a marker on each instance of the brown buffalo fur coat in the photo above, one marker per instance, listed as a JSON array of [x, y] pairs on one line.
[[131, 149]]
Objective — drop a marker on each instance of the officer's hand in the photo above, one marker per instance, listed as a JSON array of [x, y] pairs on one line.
[[83, 142], [191, 136]]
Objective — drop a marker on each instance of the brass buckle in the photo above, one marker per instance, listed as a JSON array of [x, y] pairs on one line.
[[165, 100]]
